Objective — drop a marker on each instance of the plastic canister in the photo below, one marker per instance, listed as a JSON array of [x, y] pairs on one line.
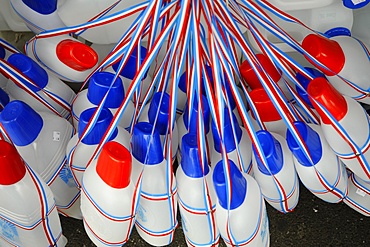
[[109, 198], [92, 96], [28, 216], [358, 197], [66, 57]]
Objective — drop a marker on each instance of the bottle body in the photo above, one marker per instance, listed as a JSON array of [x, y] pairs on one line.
[[358, 195]]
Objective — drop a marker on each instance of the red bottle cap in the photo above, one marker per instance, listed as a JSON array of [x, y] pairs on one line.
[[327, 51], [114, 165], [12, 167], [76, 55], [264, 105], [251, 77], [322, 91]]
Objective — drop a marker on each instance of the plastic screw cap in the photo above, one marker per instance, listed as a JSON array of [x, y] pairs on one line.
[[76, 55], [238, 185], [21, 122], [130, 69], [146, 144], [2, 52], [304, 81], [325, 94], [31, 69], [251, 77], [160, 105], [355, 4], [192, 125], [325, 50], [265, 108], [98, 86], [229, 139], [12, 167], [43, 7], [273, 152], [100, 127], [4, 99], [114, 165], [311, 140], [190, 161]]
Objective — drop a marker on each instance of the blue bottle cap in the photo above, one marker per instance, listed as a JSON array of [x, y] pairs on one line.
[[4, 99], [192, 126], [182, 82], [2, 52], [190, 162], [312, 141], [130, 68], [304, 81], [43, 7], [355, 4], [229, 140], [337, 31], [229, 94], [31, 69], [21, 122], [238, 185], [273, 153], [146, 145], [100, 127], [161, 102], [98, 87]]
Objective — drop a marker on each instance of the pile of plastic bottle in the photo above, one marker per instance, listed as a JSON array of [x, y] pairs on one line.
[[155, 128]]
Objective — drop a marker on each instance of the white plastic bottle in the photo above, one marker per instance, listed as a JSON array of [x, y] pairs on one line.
[[240, 139], [351, 117], [11, 20], [92, 96], [74, 12], [156, 214], [267, 112], [108, 199], [345, 57], [326, 178], [244, 222], [196, 196], [66, 57], [44, 80], [28, 216], [79, 153], [157, 112], [41, 139], [358, 197], [361, 22], [129, 71], [279, 182], [186, 125], [38, 15], [318, 15]]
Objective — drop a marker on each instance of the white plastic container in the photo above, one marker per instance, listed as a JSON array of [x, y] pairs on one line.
[[83, 151], [358, 197], [320, 16], [241, 138], [344, 56], [11, 20], [351, 117], [74, 12], [246, 220], [279, 182], [92, 96], [361, 22], [41, 139], [108, 199], [156, 214], [196, 196], [157, 112], [44, 80], [326, 178], [267, 112], [66, 57], [28, 216], [186, 125], [38, 15]]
